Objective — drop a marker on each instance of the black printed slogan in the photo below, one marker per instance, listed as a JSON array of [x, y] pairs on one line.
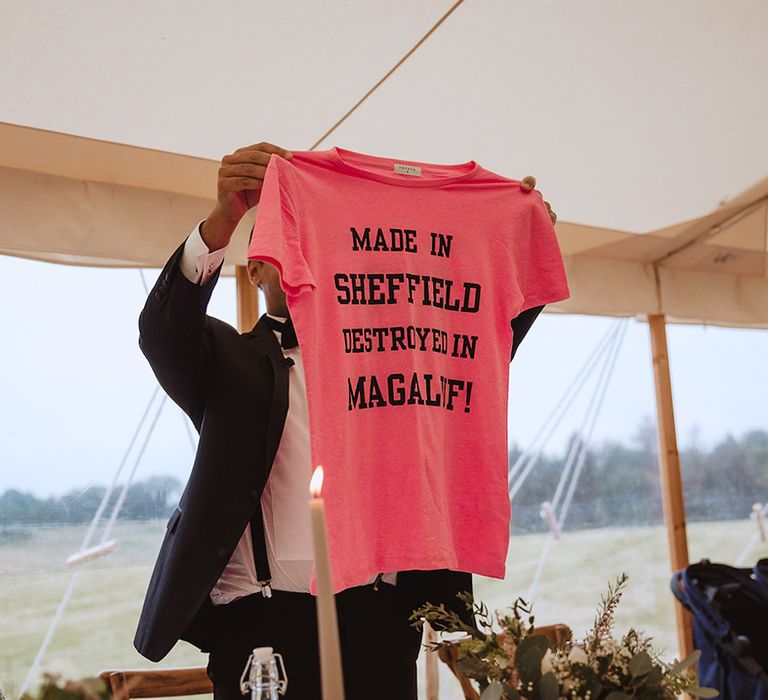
[[401, 278]]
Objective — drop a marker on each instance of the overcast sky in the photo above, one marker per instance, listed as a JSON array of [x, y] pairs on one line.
[[75, 384]]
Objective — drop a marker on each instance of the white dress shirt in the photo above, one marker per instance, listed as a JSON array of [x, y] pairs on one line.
[[284, 501]]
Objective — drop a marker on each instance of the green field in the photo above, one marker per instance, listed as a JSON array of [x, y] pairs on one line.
[[98, 625]]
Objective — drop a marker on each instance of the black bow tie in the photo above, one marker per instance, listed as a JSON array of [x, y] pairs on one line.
[[288, 333]]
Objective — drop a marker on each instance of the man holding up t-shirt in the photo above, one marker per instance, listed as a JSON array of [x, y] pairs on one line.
[[234, 568]]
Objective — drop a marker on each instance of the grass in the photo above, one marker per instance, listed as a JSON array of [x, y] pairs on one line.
[[97, 628]]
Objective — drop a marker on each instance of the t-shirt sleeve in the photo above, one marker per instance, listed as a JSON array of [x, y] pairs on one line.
[[275, 236], [538, 259]]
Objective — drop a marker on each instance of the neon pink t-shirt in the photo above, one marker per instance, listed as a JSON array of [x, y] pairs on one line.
[[402, 278]]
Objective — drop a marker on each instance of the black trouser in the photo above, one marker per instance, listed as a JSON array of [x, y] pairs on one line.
[[379, 646]]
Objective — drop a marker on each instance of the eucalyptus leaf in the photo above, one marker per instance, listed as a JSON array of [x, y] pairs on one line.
[[534, 641], [653, 679], [689, 660], [548, 688], [640, 664], [529, 665], [648, 694], [703, 692], [492, 692]]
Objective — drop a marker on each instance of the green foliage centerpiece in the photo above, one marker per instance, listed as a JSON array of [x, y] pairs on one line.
[[53, 688], [517, 663]]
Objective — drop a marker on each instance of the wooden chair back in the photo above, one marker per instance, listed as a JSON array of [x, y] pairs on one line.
[[151, 683]]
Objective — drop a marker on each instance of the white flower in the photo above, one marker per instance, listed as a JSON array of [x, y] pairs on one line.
[[546, 662], [457, 636], [578, 656]]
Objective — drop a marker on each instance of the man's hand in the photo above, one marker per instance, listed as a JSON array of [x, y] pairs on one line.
[[241, 176], [529, 183]]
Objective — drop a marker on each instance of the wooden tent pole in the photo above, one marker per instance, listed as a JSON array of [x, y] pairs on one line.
[[669, 468], [247, 300]]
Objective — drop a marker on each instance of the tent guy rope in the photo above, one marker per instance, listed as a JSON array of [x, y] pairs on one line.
[[577, 454], [87, 553]]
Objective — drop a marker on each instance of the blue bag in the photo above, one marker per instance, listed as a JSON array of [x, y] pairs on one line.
[[761, 573], [729, 606]]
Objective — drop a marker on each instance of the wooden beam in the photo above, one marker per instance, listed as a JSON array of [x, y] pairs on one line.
[[431, 674], [669, 468], [247, 300]]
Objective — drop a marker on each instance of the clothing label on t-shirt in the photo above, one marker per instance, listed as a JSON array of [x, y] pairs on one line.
[[402, 290], [407, 169]]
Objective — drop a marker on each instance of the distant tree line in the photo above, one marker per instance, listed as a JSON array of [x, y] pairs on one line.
[[619, 485], [154, 497]]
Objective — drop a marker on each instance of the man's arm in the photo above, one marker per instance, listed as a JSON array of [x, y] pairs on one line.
[[172, 331], [173, 334], [521, 324]]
